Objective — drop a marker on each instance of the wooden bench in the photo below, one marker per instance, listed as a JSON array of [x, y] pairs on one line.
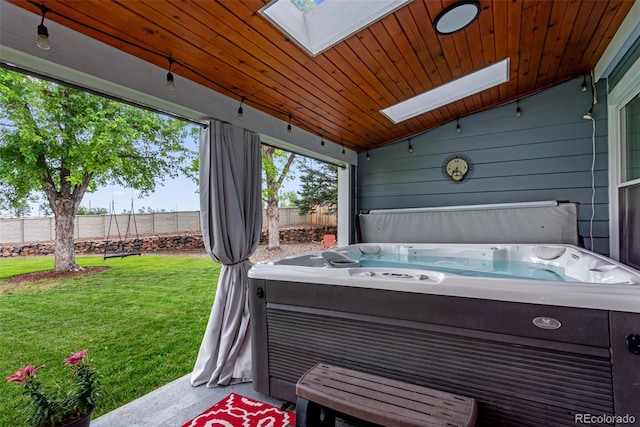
[[325, 390]]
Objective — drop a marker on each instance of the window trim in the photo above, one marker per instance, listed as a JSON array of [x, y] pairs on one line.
[[622, 94]]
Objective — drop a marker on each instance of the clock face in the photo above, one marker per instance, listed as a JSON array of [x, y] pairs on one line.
[[456, 167]]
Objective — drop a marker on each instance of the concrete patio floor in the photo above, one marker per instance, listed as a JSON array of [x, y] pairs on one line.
[[174, 404]]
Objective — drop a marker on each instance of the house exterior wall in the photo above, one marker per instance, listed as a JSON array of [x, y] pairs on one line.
[[625, 64], [545, 154]]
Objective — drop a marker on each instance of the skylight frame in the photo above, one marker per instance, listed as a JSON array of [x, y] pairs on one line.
[[327, 24], [455, 90], [310, 4]]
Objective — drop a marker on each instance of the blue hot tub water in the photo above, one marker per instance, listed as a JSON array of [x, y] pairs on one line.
[[465, 266]]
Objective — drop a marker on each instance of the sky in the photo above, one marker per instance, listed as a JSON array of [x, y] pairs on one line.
[[171, 195], [178, 194]]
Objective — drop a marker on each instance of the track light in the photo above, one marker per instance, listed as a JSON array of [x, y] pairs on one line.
[[240, 112], [170, 86], [518, 110], [458, 128], [43, 34], [583, 86], [289, 125], [368, 156], [322, 141], [410, 146]]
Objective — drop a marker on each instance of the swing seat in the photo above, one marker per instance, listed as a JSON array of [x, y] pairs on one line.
[[121, 255], [122, 242]]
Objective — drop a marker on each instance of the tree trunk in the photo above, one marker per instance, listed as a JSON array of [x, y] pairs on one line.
[[273, 222], [64, 203], [65, 256], [273, 180]]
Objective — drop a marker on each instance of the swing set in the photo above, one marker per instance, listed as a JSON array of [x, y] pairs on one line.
[[121, 250]]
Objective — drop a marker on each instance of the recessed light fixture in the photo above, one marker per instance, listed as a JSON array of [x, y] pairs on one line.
[[456, 16], [486, 78], [317, 25]]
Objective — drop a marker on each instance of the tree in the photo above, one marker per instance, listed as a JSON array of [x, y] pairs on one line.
[[288, 199], [91, 211], [148, 209], [276, 165], [43, 207], [64, 142], [21, 210], [319, 186]]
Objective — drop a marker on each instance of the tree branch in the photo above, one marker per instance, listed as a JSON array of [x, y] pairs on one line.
[[45, 176], [78, 191], [285, 169]]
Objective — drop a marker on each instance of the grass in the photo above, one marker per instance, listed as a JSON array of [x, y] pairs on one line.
[[142, 320]]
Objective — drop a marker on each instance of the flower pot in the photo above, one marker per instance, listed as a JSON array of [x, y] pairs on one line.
[[83, 421]]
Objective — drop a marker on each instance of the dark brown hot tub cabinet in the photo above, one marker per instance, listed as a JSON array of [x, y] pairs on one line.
[[500, 353]]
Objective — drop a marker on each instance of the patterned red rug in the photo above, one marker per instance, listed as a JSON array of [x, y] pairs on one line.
[[239, 411]]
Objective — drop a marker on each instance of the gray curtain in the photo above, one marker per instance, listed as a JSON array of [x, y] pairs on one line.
[[231, 217]]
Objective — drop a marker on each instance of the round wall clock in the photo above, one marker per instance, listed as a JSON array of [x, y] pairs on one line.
[[457, 167]]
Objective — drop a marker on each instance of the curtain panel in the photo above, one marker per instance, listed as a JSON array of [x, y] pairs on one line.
[[231, 219]]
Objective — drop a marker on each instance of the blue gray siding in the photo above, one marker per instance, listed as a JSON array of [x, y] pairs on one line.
[[632, 139], [543, 155], [625, 63]]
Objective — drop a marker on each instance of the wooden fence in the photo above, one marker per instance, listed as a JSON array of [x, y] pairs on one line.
[[321, 217]]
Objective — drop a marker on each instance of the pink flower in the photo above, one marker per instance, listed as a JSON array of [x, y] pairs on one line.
[[76, 357], [24, 373], [60, 406]]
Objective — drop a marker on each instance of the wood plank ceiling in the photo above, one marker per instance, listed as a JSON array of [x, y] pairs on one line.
[[229, 47]]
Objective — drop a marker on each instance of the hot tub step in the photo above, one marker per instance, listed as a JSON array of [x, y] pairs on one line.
[[384, 401]]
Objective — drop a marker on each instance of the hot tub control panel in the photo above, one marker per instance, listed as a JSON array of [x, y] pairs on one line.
[[397, 275]]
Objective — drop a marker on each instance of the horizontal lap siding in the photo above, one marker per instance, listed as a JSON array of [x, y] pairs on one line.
[[543, 155], [625, 64]]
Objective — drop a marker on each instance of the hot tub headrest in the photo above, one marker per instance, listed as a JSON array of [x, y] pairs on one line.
[[336, 259], [549, 252]]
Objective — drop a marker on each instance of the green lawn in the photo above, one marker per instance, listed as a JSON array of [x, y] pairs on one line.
[[142, 320]]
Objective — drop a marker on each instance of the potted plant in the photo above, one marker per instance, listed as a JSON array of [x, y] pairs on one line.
[[61, 407]]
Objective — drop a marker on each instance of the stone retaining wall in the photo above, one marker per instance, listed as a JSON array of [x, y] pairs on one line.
[[302, 234], [150, 244]]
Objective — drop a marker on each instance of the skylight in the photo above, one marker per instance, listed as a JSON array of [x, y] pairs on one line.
[[455, 90], [305, 5], [316, 25]]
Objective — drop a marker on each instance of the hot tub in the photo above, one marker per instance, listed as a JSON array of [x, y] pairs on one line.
[[538, 334]]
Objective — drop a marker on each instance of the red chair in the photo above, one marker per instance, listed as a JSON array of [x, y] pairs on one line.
[[328, 241]]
